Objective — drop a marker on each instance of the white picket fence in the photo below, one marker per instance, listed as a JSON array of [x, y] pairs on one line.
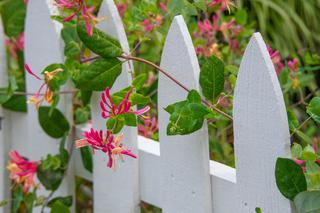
[[175, 174]]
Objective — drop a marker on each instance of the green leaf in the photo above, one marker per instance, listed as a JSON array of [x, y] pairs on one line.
[[29, 200], [313, 176], [313, 109], [115, 124], [59, 207], [212, 78], [17, 103], [17, 198], [54, 124], [241, 17], [292, 119], [296, 151], [13, 16], [201, 4], [99, 74], [4, 95], [99, 43], [86, 97], [86, 157], [289, 178], [186, 116], [308, 202], [258, 210], [194, 97], [59, 79], [72, 49], [63, 153], [50, 177], [136, 98], [308, 153], [3, 203], [130, 119], [139, 81], [67, 201]]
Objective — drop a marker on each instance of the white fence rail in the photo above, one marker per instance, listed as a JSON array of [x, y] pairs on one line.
[[175, 174]]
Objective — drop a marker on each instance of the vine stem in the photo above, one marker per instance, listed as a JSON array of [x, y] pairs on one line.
[[41, 94], [299, 127], [132, 58], [45, 203]]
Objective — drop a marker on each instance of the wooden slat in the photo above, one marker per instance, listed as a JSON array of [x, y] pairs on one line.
[[185, 159], [4, 126], [43, 46], [116, 192], [261, 131]]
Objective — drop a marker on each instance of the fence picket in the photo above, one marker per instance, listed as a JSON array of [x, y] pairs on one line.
[[4, 124], [185, 159], [261, 131], [43, 46], [115, 191]]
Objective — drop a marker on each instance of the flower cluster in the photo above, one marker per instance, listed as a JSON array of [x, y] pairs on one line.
[[48, 96], [149, 127], [208, 29], [22, 171], [110, 109], [79, 7], [276, 59], [109, 144]]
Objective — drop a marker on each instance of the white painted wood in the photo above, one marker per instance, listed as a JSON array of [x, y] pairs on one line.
[[185, 159], [43, 46], [261, 131], [150, 171], [115, 192], [223, 185], [4, 125]]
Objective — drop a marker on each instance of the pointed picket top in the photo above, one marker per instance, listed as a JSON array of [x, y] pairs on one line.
[[261, 131], [185, 159], [115, 191]]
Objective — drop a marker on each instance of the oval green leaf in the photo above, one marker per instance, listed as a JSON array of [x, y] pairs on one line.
[[308, 202], [313, 109], [99, 74], [53, 123], [289, 178], [99, 43], [212, 78]]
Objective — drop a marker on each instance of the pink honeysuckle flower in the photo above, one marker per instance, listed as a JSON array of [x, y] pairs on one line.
[[48, 95], [110, 109], [147, 25], [223, 4], [163, 7], [22, 171], [276, 59], [293, 64], [227, 26], [149, 127], [16, 45], [79, 6], [122, 8], [109, 144]]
